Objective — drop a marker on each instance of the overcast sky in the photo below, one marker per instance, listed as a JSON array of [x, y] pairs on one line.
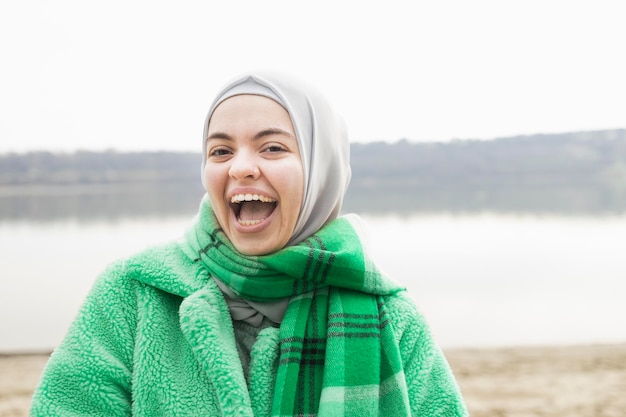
[[134, 75]]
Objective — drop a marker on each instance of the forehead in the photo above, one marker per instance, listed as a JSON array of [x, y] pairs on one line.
[[250, 110]]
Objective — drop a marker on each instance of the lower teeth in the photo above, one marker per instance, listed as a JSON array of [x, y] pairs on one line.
[[249, 222]]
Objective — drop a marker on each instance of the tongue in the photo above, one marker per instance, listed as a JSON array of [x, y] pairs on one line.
[[255, 210]]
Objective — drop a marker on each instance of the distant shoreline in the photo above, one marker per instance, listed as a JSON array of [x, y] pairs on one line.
[[43, 189], [49, 202]]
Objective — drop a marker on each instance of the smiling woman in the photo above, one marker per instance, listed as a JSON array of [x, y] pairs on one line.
[[270, 305]]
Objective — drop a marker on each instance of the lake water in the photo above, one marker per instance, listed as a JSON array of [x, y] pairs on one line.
[[481, 279]]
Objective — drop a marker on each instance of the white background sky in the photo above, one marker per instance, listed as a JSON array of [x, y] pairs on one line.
[[134, 75]]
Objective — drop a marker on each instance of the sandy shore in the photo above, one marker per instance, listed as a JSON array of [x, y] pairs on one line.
[[570, 381]]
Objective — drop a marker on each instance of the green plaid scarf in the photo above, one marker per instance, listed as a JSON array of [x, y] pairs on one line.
[[338, 352]]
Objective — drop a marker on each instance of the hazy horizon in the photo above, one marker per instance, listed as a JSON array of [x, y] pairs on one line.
[[197, 148]]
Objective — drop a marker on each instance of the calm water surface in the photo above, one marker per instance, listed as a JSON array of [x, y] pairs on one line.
[[480, 279]]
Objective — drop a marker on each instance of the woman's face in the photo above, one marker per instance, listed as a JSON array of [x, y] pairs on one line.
[[253, 173]]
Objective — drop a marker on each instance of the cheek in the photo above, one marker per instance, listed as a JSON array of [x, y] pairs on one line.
[[205, 176], [211, 176], [214, 186], [293, 186]]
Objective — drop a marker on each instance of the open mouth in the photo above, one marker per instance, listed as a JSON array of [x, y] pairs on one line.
[[252, 209]]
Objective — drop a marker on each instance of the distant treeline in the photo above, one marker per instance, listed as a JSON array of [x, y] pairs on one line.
[[87, 167], [555, 159], [569, 172]]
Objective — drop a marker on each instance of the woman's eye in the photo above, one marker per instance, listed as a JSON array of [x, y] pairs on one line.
[[219, 152], [275, 148]]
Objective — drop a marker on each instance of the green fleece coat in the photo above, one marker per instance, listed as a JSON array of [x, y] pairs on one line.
[[155, 338]]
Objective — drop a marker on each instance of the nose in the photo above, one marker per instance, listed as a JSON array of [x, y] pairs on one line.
[[243, 165]]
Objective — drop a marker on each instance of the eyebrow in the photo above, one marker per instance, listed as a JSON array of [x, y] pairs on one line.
[[272, 131], [259, 135]]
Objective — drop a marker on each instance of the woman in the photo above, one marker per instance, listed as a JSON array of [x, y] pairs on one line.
[[270, 305]]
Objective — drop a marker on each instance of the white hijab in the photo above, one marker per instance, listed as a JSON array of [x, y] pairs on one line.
[[322, 139]]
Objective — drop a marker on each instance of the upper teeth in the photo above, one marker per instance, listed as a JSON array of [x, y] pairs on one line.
[[238, 198]]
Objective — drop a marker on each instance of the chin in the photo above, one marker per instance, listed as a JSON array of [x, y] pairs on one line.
[[263, 239], [252, 249], [258, 245]]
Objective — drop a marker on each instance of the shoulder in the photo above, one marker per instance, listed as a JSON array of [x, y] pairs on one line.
[[409, 324], [402, 311], [165, 267]]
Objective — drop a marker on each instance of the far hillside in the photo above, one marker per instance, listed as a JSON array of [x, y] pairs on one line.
[[576, 172]]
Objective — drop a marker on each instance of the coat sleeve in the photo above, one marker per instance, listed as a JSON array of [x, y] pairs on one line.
[[90, 373], [432, 388]]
